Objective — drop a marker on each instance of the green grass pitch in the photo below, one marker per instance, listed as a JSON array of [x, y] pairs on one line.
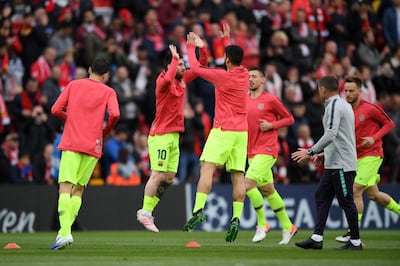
[[95, 248]]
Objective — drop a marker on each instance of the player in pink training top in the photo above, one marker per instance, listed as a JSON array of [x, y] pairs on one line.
[[371, 124], [82, 105], [266, 113], [227, 142], [164, 132]]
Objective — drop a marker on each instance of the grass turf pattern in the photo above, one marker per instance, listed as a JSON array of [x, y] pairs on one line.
[[95, 248]]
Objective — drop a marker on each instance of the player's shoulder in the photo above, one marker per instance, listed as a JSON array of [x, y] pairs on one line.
[[162, 74], [75, 83], [265, 96], [109, 89], [370, 106]]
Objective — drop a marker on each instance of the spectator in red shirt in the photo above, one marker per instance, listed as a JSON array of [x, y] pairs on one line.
[[68, 69], [11, 148], [41, 68], [25, 101], [319, 21], [251, 52]]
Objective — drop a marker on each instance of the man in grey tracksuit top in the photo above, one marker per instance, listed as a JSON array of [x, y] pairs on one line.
[[337, 147]]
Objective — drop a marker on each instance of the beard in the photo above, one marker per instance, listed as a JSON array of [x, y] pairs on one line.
[[351, 101], [179, 76]]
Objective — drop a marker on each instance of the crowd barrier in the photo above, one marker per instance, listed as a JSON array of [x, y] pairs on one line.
[[34, 208]]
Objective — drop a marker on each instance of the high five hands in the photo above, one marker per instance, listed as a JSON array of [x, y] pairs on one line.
[[173, 50], [194, 39], [226, 30]]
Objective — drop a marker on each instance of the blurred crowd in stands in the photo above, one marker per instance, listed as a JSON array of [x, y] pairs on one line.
[[46, 43]]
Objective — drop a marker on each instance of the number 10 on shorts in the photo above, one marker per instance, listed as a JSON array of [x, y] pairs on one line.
[[162, 154]]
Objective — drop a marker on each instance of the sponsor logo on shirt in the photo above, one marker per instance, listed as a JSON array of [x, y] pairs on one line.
[[260, 106], [361, 117]]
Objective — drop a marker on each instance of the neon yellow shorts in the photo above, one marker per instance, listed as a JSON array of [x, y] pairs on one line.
[[368, 171], [76, 167], [226, 147], [164, 152], [260, 169]]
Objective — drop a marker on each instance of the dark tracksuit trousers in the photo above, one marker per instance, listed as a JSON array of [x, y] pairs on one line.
[[335, 182]]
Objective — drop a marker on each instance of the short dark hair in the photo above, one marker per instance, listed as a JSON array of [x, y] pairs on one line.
[[235, 54], [167, 58], [100, 66], [259, 69], [354, 79], [329, 82]]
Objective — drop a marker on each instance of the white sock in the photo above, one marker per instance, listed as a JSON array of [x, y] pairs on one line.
[[317, 238], [355, 242], [146, 213]]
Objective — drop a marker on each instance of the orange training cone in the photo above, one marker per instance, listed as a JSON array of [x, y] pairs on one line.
[[11, 246], [193, 244]]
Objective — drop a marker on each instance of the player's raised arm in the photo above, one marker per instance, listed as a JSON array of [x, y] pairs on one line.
[[199, 43], [171, 66], [226, 34], [210, 74]]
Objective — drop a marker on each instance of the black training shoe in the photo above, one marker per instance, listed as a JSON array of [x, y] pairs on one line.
[[350, 246], [233, 230], [309, 244], [198, 217]]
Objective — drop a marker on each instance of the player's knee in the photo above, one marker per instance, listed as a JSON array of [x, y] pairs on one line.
[[168, 177], [78, 190], [372, 196], [168, 180], [239, 194], [372, 193], [158, 176], [268, 190]]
